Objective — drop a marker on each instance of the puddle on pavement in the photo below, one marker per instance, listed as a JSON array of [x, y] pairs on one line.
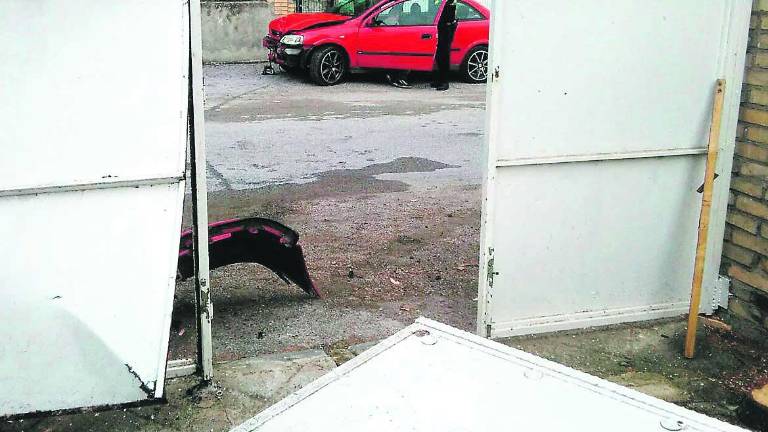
[[274, 201]]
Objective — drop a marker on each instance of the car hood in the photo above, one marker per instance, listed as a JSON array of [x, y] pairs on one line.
[[302, 21]]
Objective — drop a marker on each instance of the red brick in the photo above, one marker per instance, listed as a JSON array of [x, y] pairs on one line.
[[739, 254], [748, 185], [752, 207], [753, 169], [755, 278], [743, 221], [749, 241], [752, 151]]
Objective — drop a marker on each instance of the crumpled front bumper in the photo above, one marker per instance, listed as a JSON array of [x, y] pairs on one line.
[[282, 54]]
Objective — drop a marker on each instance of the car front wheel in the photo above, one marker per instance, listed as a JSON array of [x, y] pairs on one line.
[[328, 66], [475, 67]]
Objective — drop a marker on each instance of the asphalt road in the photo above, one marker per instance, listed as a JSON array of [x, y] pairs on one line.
[[265, 130]]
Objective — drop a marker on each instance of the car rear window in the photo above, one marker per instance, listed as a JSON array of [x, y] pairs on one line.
[[465, 12]]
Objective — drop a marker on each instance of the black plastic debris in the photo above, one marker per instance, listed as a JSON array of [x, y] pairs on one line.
[[255, 240]]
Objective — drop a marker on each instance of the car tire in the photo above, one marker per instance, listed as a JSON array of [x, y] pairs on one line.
[[328, 66], [474, 69]]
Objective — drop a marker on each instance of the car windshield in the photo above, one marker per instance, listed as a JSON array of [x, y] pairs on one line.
[[352, 8]]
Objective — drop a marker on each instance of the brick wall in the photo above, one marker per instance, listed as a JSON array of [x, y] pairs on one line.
[[284, 7], [745, 248]]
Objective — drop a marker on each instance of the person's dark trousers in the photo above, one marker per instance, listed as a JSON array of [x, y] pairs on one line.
[[443, 55], [446, 28]]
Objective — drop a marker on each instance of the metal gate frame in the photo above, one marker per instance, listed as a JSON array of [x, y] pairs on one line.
[[731, 63], [203, 363]]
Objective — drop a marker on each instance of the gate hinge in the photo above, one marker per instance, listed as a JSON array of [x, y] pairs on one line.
[[491, 272]]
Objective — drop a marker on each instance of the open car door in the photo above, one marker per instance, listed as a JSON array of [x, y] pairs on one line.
[[402, 35]]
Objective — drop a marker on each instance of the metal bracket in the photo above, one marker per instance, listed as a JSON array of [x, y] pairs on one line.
[[721, 292]]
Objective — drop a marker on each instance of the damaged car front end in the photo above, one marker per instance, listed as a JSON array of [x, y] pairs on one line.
[[286, 38], [294, 40], [285, 50]]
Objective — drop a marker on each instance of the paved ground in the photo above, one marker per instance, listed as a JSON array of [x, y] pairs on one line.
[[383, 185], [266, 130]]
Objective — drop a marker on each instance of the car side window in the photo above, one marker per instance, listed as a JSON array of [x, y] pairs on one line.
[[408, 13], [465, 12]]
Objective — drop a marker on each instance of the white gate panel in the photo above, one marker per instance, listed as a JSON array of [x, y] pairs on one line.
[[590, 252], [599, 113], [91, 90], [88, 284], [93, 125], [590, 75]]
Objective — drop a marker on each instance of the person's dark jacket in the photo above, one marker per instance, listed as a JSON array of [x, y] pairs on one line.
[[448, 17]]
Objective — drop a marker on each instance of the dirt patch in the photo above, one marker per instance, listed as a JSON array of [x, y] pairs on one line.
[[648, 357], [381, 259]]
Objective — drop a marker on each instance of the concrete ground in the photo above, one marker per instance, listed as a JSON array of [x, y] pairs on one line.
[[383, 185]]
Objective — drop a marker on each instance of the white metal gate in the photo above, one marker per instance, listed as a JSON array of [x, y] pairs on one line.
[[598, 118], [93, 127]]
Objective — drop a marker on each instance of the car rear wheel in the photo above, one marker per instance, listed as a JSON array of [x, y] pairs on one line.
[[475, 67], [328, 66]]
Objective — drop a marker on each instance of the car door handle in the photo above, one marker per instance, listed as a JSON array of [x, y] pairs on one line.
[[426, 36]]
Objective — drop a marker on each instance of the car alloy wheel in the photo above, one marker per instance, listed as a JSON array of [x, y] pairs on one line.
[[477, 66], [332, 67]]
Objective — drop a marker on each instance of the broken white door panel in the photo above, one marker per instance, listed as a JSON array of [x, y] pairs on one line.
[[431, 377], [599, 113], [92, 91], [91, 191], [88, 284]]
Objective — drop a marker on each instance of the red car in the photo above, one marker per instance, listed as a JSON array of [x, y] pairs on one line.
[[359, 35]]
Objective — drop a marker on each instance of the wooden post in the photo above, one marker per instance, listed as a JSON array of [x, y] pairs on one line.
[[706, 204]]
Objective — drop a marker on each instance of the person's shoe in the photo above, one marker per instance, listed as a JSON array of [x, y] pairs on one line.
[[442, 87], [404, 84], [398, 83]]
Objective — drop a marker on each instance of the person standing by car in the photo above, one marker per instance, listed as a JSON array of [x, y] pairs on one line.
[[446, 29]]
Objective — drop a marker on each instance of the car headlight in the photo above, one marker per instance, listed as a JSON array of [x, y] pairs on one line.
[[292, 39]]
